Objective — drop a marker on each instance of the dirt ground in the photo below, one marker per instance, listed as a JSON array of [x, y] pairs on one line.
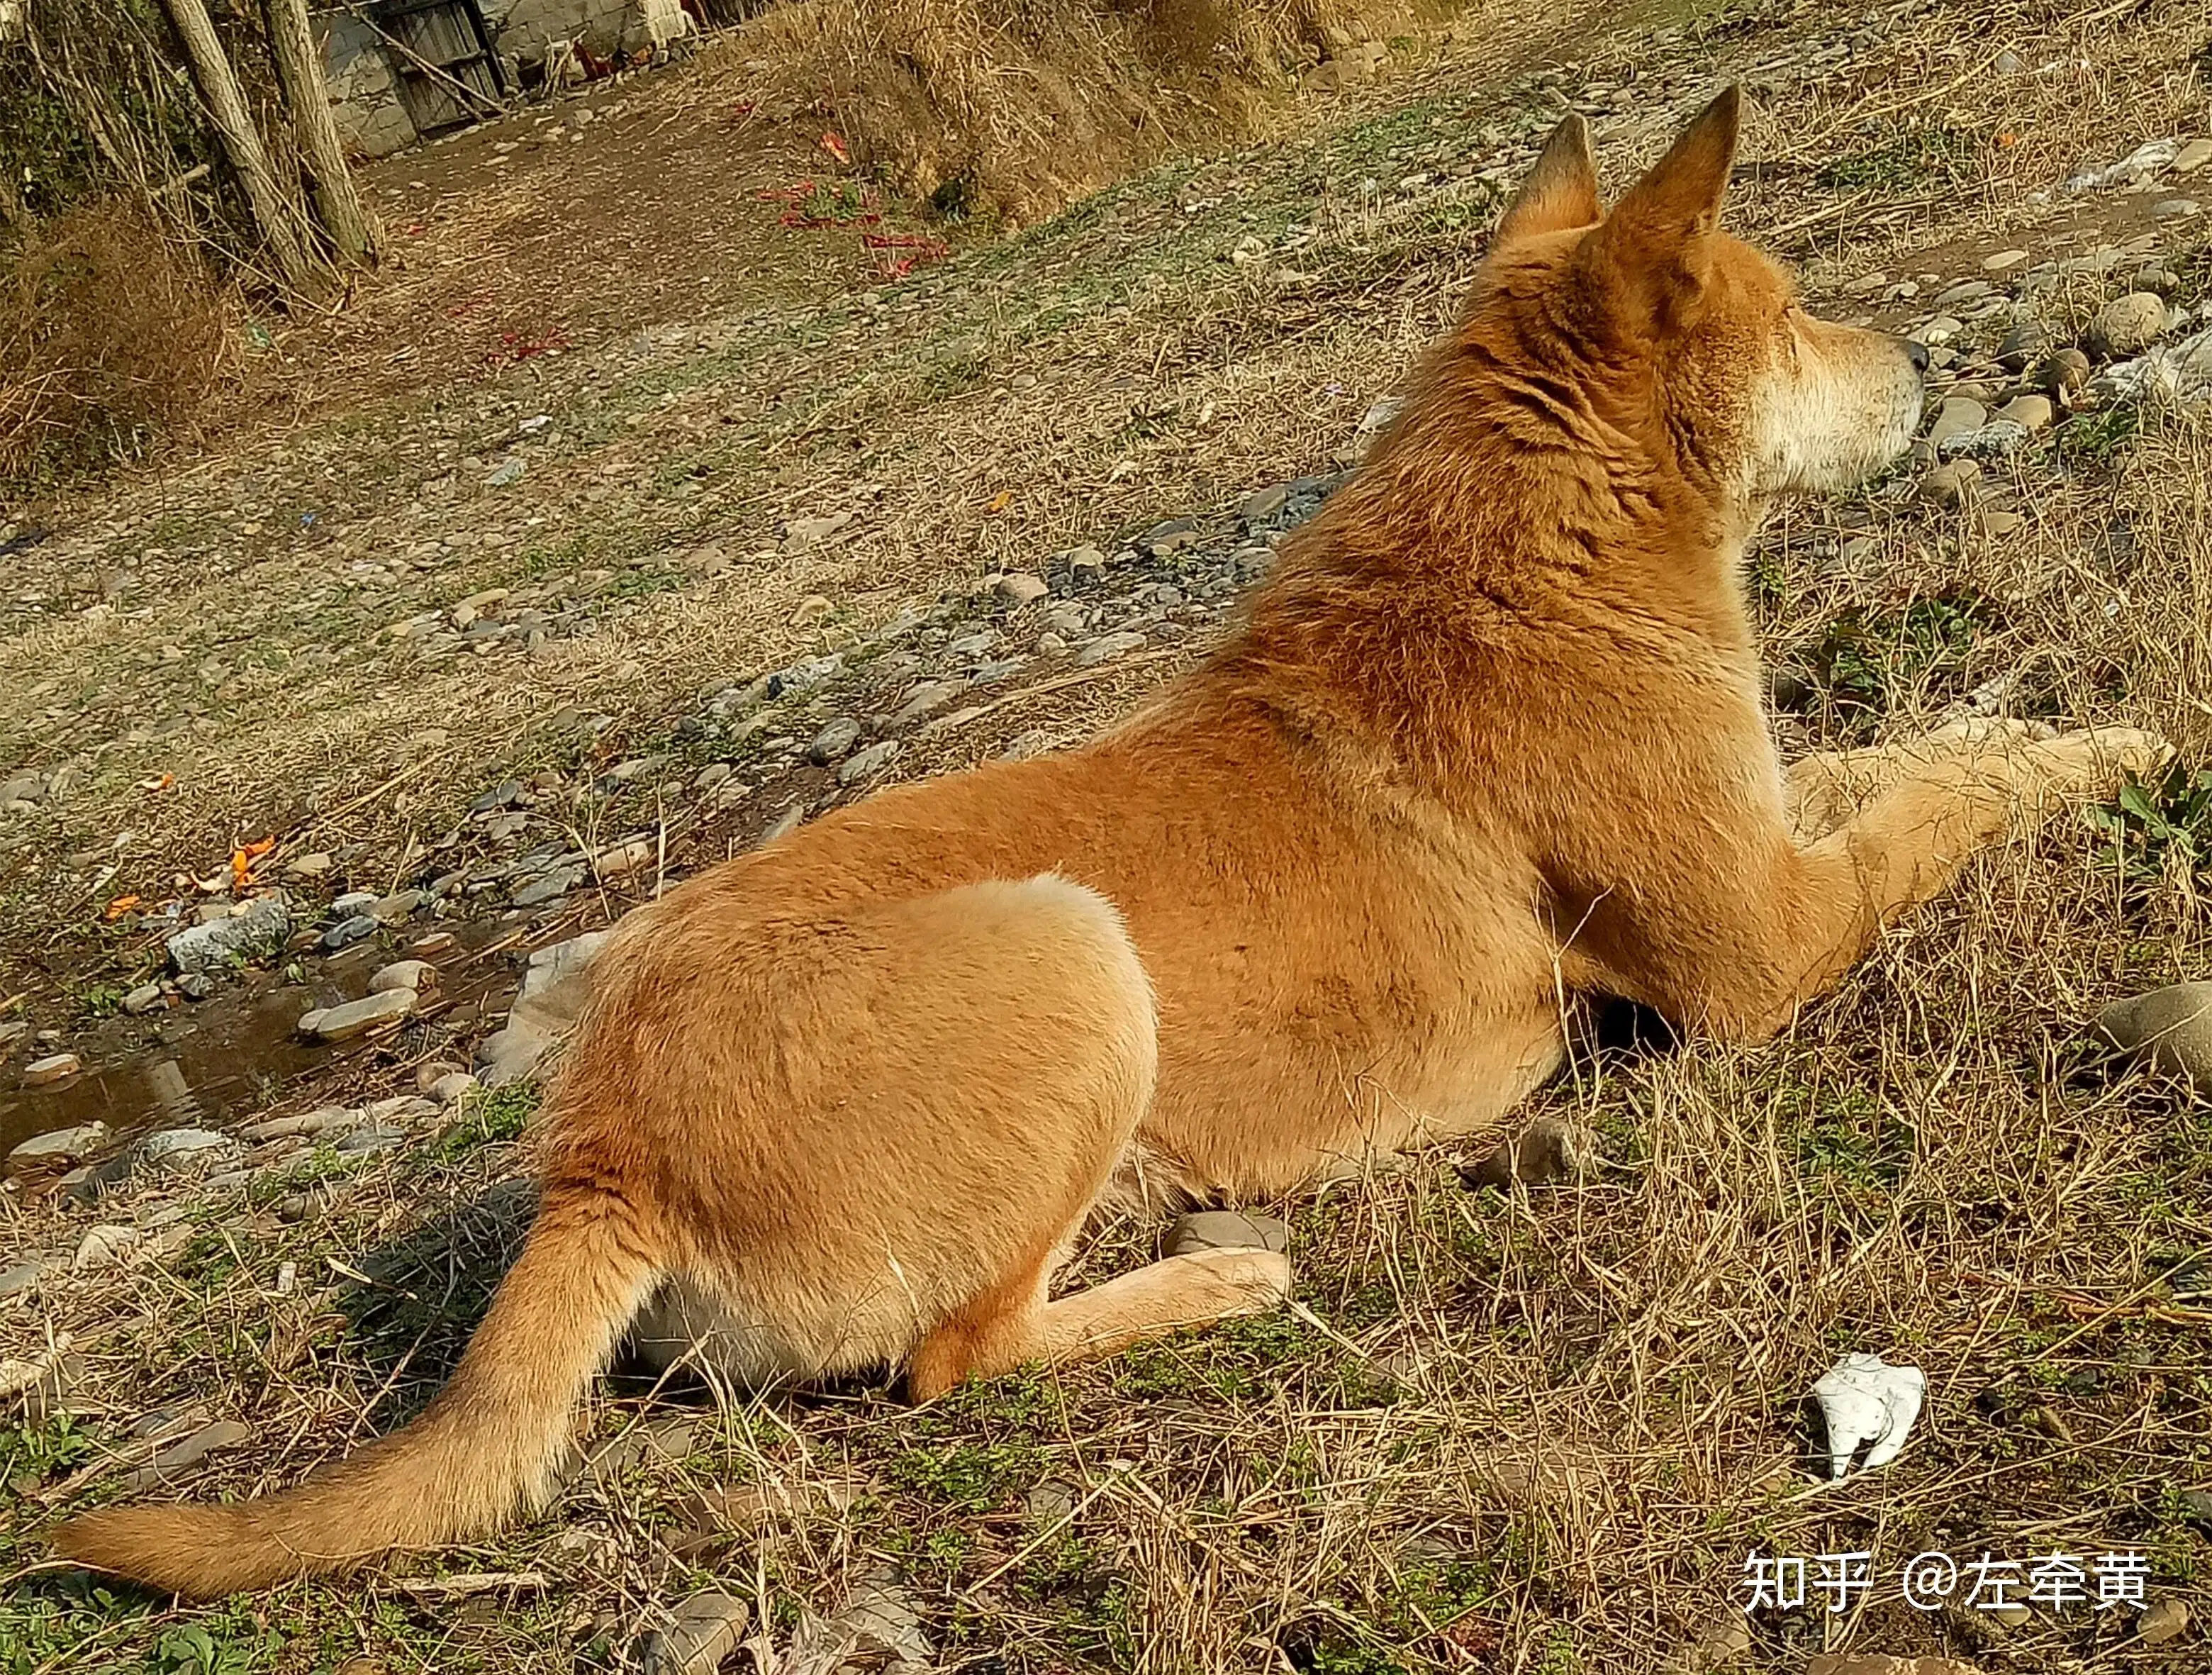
[[542, 573]]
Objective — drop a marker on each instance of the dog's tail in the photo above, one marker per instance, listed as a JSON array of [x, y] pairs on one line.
[[491, 1444]]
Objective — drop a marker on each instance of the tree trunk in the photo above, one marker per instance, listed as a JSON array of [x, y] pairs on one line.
[[277, 210], [352, 225]]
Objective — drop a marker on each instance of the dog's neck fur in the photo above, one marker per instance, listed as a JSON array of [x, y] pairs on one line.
[[1500, 519]]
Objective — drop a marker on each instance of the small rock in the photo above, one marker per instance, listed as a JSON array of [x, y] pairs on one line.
[[356, 928], [2002, 523], [1022, 588], [1952, 484], [2162, 1620], [800, 533], [1225, 1230], [2027, 341], [173, 1150], [323, 1119], [57, 1146], [834, 742], [356, 1018], [1959, 417], [1107, 648], [2192, 157], [409, 974], [452, 1087], [547, 887], [623, 859], [261, 929], [102, 1246], [506, 472], [2066, 373], [2003, 261], [860, 766], [1086, 566], [53, 1068], [1258, 506], [308, 866], [2032, 413], [1999, 439], [708, 1628], [882, 1619], [1721, 1645], [812, 610], [187, 1452], [2196, 1507], [2126, 326], [145, 998], [2177, 208], [1051, 1501], [1551, 1149], [928, 699]]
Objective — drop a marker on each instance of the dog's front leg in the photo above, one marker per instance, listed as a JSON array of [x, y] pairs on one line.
[[1731, 921]]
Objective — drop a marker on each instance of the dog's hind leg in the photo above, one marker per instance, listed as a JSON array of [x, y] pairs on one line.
[[1016, 1324]]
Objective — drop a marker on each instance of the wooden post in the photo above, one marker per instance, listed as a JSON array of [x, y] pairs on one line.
[[352, 226], [277, 210]]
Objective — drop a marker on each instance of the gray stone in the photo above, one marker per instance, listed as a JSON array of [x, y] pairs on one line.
[[506, 472], [145, 998], [2169, 1029], [372, 1136], [862, 763], [414, 974], [2026, 342], [2032, 413], [2064, 373], [549, 886], [1022, 588], [2126, 326], [1107, 648], [1958, 417], [452, 1087], [357, 1017], [1997, 440], [1264, 504], [1226, 1230], [1953, 484], [1550, 1150], [2192, 157], [188, 1452], [358, 927], [53, 1068], [1085, 565], [706, 1628], [881, 1618], [25, 1276], [834, 742], [174, 1150], [57, 1146], [310, 1124], [928, 699], [261, 929]]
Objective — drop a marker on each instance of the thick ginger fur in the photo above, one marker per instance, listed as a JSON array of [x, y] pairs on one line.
[[1491, 733]]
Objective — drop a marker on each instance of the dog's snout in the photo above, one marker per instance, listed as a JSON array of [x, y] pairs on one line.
[[1916, 353]]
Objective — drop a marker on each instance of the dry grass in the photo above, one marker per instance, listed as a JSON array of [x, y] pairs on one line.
[[1019, 106], [109, 334]]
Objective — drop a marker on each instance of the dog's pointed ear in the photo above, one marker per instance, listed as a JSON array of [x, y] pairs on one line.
[[1560, 193], [1655, 244]]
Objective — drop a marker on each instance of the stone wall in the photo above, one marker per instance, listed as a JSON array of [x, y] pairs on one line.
[[365, 97]]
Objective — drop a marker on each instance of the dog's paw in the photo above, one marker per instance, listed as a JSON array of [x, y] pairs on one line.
[[2099, 760]]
